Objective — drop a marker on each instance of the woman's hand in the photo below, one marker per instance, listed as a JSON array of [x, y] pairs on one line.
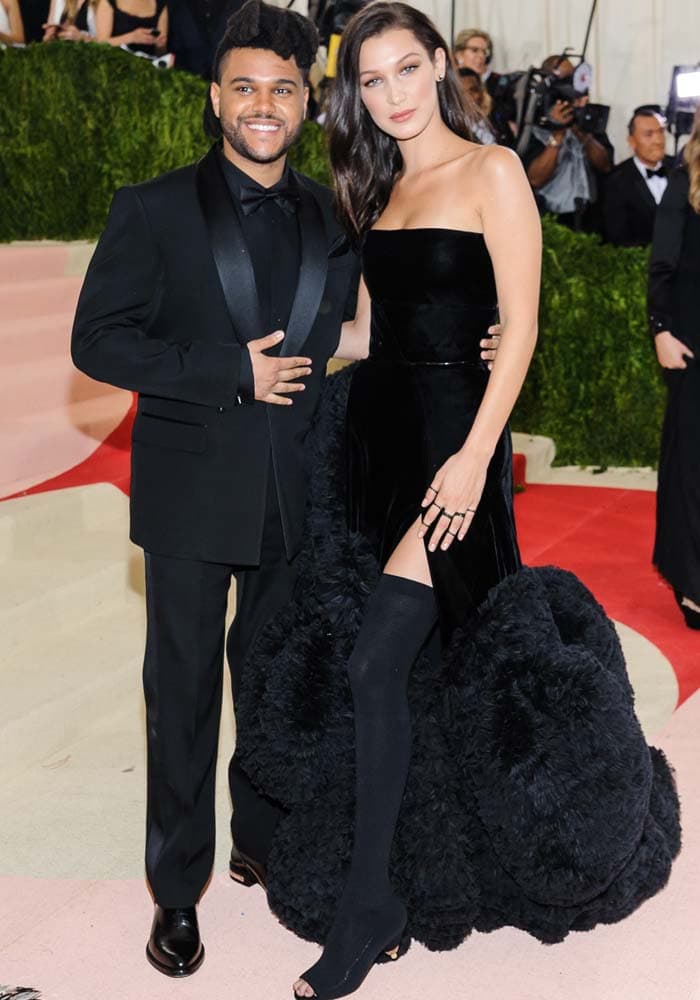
[[671, 351], [139, 36], [451, 500], [69, 33]]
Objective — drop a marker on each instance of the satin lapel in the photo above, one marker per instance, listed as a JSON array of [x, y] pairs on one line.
[[229, 248], [312, 271]]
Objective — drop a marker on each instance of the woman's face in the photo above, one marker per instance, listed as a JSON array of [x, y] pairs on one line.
[[474, 55], [398, 82]]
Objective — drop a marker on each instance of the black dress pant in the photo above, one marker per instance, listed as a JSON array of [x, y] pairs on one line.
[[183, 675]]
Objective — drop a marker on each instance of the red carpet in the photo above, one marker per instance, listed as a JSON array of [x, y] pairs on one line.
[[603, 535], [606, 536]]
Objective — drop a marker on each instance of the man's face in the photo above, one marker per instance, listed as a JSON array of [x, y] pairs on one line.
[[260, 102], [648, 139]]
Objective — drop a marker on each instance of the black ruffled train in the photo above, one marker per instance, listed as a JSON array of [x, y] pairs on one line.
[[532, 798]]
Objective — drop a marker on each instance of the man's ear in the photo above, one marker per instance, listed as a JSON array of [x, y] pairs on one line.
[[306, 99], [215, 95]]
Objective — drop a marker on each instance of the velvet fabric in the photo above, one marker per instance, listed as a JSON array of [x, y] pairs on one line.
[[414, 400], [532, 799]]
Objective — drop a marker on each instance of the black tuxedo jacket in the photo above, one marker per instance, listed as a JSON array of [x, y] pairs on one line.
[[168, 304], [629, 208]]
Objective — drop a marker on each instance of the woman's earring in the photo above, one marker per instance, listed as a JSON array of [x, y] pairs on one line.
[[440, 79]]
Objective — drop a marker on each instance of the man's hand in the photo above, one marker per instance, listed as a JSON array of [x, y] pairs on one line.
[[490, 344], [273, 376], [561, 113], [671, 351]]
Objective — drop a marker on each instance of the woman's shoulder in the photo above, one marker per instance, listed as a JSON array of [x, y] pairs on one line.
[[494, 160], [492, 167]]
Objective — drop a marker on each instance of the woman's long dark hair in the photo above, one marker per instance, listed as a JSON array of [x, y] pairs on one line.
[[364, 159]]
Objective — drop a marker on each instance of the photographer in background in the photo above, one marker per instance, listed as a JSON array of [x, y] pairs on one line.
[[636, 186], [564, 163]]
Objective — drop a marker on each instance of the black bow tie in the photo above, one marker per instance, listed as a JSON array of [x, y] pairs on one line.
[[661, 172], [253, 197]]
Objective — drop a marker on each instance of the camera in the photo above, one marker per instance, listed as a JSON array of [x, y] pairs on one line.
[[536, 92]]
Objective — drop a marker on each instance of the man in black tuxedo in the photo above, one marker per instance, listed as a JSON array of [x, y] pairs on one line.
[[636, 186], [193, 279]]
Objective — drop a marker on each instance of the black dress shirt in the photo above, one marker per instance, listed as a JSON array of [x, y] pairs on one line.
[[272, 236]]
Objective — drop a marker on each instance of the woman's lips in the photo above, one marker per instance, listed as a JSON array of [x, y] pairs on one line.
[[402, 116]]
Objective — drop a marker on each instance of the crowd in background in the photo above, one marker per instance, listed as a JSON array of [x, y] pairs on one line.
[[571, 168]]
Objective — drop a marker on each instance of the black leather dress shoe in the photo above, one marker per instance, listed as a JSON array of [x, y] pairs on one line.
[[247, 870], [174, 947]]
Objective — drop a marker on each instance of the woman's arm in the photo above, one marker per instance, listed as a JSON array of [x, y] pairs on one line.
[[52, 22], [513, 236], [354, 334], [15, 36], [161, 42], [666, 247]]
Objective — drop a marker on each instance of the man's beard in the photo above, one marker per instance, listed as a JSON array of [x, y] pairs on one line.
[[233, 132]]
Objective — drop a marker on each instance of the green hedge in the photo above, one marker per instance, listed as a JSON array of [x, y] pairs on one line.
[[77, 121], [594, 384]]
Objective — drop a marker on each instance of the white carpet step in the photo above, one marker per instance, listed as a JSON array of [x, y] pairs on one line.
[[53, 697], [36, 260], [41, 297], [47, 387], [65, 557], [30, 338]]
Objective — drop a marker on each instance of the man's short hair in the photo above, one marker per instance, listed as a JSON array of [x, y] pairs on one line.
[[552, 63], [259, 25], [645, 111]]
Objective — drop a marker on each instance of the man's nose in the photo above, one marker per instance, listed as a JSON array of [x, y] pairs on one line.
[[264, 103]]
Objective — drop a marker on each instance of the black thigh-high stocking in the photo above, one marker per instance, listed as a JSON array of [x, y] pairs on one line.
[[399, 618]]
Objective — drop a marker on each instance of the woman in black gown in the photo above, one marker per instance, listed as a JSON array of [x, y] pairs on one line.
[[487, 747], [674, 313]]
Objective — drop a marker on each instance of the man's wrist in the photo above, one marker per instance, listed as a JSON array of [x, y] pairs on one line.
[[246, 378]]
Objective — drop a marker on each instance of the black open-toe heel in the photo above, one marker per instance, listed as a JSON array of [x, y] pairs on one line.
[[692, 617], [382, 936]]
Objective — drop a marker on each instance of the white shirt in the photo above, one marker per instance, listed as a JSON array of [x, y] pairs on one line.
[[657, 185]]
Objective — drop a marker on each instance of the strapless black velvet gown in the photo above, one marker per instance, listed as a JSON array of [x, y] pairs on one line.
[[532, 798], [413, 402]]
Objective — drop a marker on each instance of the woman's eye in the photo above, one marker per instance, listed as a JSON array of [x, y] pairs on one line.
[[410, 68], [371, 83]]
